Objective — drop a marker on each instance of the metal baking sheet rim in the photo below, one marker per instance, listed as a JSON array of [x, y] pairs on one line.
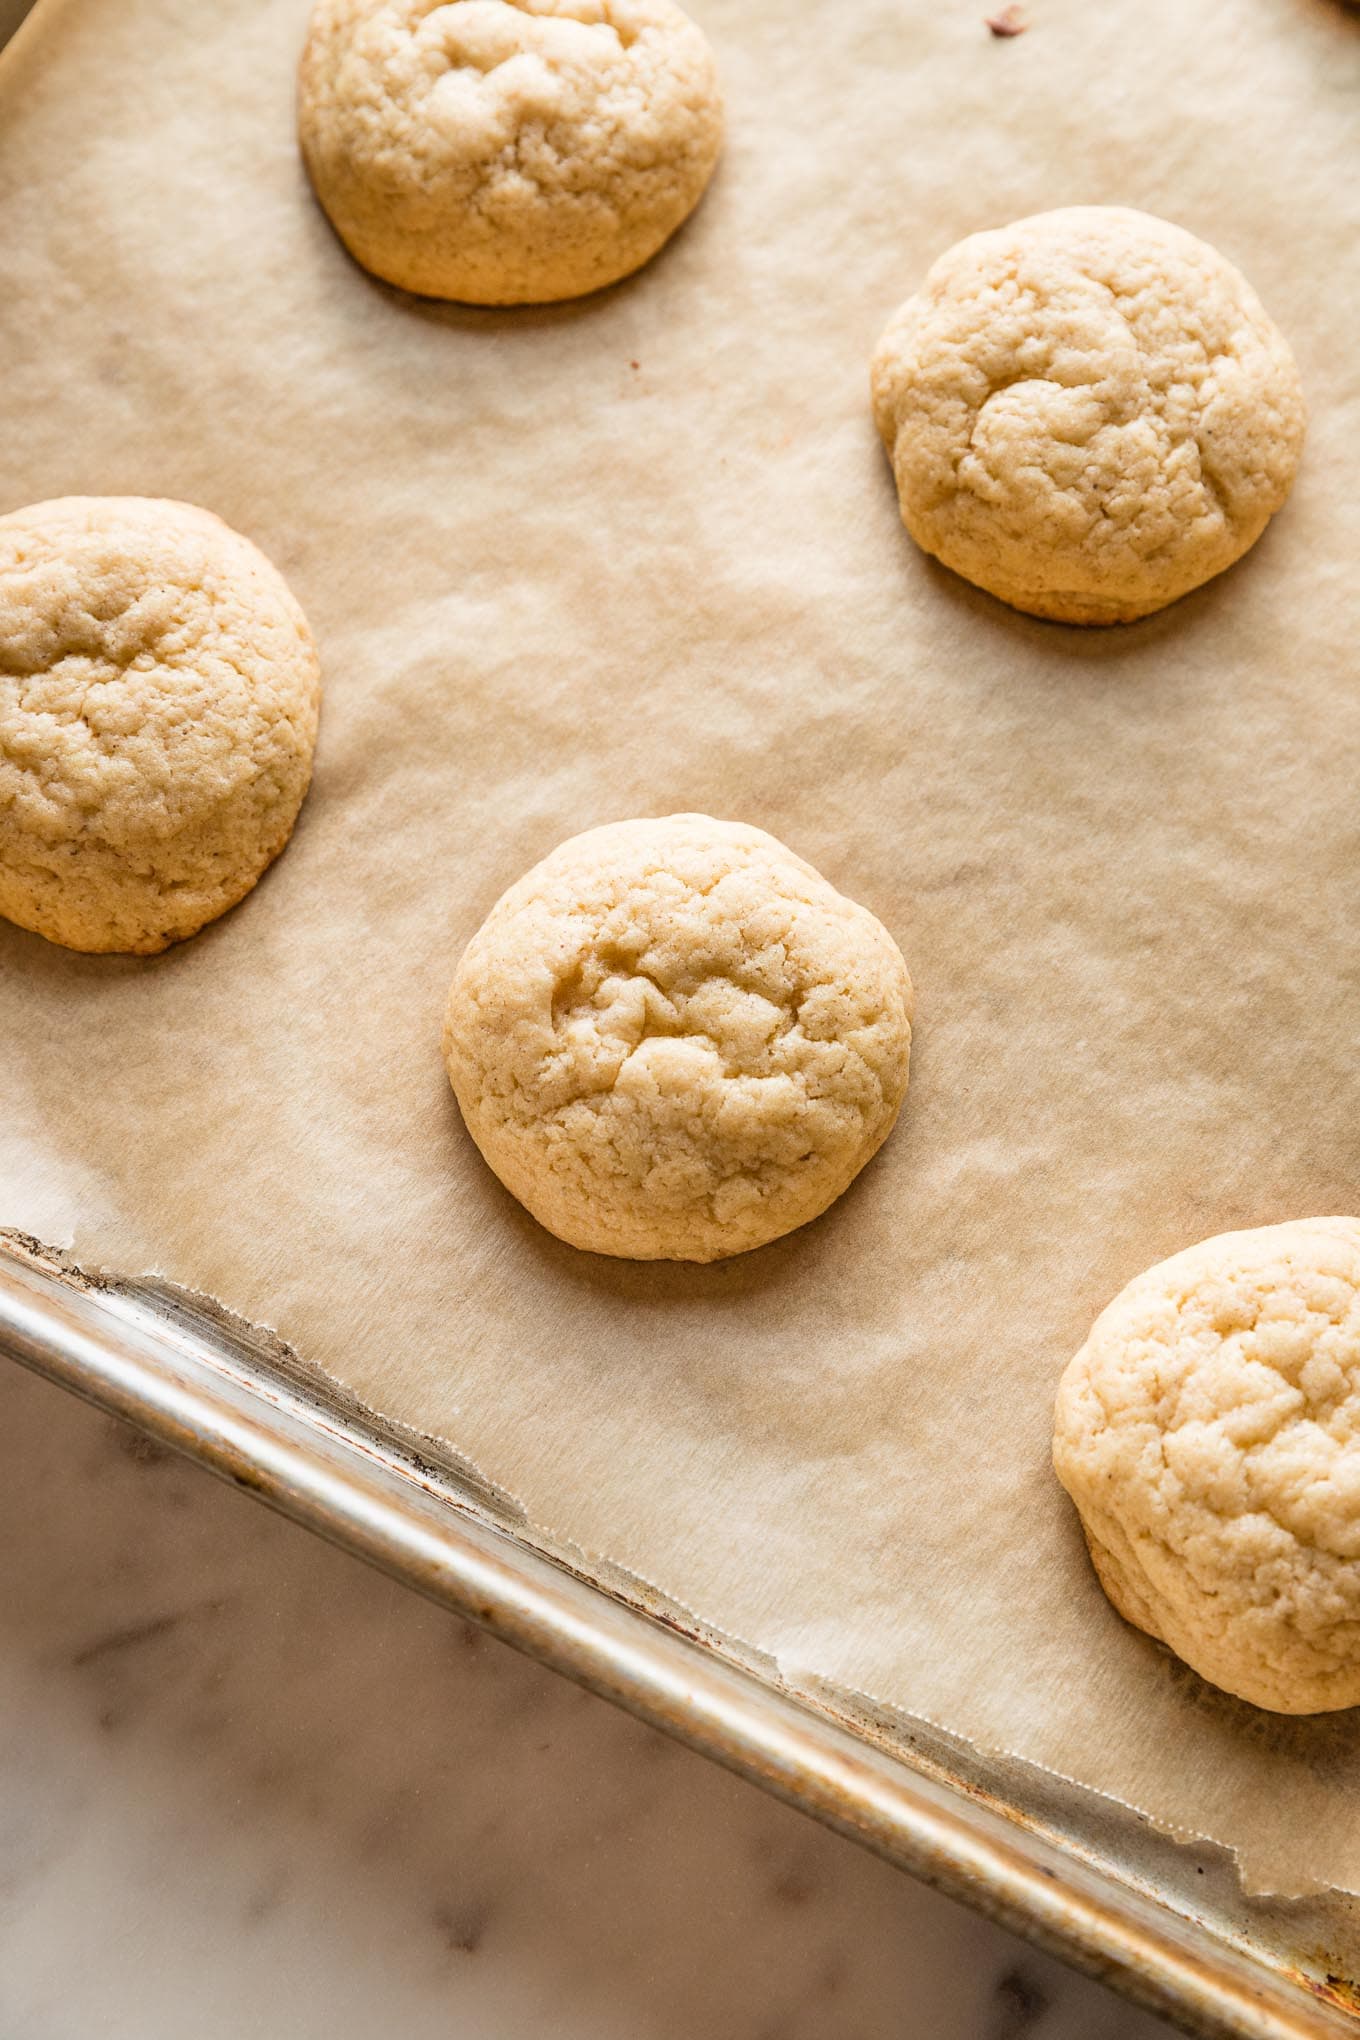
[[190, 1378]]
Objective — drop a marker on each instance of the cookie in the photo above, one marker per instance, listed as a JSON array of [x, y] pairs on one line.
[[673, 1040], [159, 692], [1088, 413], [506, 152], [1209, 1433]]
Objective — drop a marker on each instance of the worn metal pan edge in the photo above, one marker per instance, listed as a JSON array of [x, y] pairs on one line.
[[186, 1374]]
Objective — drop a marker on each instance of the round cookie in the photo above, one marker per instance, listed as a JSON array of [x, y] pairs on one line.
[[159, 692], [506, 152], [673, 1040], [1209, 1433], [1088, 413]]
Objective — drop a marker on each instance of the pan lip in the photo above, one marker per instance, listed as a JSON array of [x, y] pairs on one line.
[[234, 1399]]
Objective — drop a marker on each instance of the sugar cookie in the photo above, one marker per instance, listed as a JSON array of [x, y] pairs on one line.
[[673, 1040], [159, 692], [1209, 1433], [507, 152], [1088, 413]]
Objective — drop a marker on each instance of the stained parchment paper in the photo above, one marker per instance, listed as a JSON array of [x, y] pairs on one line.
[[642, 553]]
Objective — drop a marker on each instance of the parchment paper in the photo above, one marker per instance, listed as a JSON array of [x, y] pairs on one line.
[[640, 554]]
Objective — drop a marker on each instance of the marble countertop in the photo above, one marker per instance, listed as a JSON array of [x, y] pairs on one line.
[[248, 1787]]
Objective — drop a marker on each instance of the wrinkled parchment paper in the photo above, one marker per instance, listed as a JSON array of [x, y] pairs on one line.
[[642, 553]]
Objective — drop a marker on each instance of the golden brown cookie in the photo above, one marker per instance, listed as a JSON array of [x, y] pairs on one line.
[[673, 1040], [159, 692], [1088, 413], [507, 152], [1209, 1433]]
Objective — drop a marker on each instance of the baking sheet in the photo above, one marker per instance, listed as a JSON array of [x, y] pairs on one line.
[[641, 554]]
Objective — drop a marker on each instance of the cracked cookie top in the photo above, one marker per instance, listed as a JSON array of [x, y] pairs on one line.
[[159, 692], [1209, 1434], [1088, 413], [673, 1040], [507, 151]]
